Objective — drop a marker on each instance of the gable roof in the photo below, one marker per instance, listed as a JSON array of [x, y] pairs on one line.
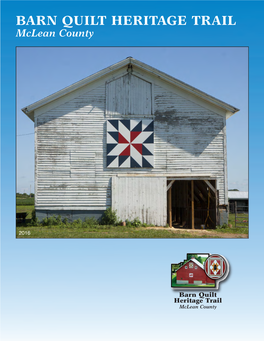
[[194, 261], [29, 110]]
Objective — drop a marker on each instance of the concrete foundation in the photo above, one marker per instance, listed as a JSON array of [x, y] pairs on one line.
[[223, 216], [71, 215]]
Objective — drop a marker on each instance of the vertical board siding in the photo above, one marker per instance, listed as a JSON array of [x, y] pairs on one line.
[[128, 95], [71, 147], [144, 198]]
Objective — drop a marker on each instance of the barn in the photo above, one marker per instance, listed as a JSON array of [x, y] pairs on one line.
[[135, 139], [238, 201], [193, 272]]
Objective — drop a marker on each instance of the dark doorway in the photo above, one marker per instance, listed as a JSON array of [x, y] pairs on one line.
[[192, 203]]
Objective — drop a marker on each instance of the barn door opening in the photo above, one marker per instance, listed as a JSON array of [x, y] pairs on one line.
[[192, 203]]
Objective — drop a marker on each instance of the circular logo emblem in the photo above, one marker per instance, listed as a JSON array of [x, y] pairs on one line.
[[215, 266]]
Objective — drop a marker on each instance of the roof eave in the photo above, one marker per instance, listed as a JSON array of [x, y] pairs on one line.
[[29, 110], [200, 265], [30, 114], [230, 110]]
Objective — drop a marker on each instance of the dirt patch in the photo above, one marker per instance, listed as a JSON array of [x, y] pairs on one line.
[[201, 232]]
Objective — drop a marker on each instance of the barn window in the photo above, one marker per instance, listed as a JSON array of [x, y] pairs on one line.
[[190, 275], [190, 265], [195, 267], [186, 267]]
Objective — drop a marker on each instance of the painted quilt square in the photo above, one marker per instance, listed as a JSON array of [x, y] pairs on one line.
[[215, 267], [130, 144]]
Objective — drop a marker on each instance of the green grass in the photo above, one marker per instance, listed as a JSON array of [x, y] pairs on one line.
[[99, 232], [25, 231], [242, 220], [24, 201], [234, 230], [28, 209]]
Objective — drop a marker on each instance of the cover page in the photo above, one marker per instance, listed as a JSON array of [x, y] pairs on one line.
[[131, 169]]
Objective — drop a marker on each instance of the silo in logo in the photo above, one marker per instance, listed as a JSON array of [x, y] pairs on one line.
[[216, 267]]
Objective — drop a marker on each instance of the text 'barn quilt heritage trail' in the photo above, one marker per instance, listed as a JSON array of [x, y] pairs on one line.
[[130, 144]]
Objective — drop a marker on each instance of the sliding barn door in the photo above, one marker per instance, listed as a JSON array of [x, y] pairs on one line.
[[144, 198]]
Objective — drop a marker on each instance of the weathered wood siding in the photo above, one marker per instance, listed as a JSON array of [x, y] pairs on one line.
[[71, 168], [189, 138], [140, 197], [69, 156], [128, 95]]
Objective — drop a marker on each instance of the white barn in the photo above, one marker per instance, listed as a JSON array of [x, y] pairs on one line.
[[135, 139]]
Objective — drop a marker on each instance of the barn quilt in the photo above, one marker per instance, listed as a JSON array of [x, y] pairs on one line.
[[130, 144], [215, 266]]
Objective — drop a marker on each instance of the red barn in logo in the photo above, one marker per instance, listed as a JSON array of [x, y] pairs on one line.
[[193, 272]]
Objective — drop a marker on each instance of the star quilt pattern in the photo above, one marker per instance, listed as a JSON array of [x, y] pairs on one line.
[[130, 144]]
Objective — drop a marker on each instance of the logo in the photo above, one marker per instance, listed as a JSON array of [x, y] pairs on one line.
[[199, 270]]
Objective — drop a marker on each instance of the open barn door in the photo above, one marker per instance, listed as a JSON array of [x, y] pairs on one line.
[[141, 197], [192, 203]]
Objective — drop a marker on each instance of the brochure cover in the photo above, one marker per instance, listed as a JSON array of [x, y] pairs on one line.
[[131, 141]]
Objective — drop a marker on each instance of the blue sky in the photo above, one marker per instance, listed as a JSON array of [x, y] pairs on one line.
[[221, 72]]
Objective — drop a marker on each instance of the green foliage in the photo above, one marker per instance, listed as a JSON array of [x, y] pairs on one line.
[[77, 223], [134, 223], [224, 226], [90, 222], [65, 221], [109, 217], [241, 219], [128, 223], [33, 214], [49, 221], [34, 220], [28, 209], [175, 267], [24, 201], [199, 258], [58, 220], [24, 195]]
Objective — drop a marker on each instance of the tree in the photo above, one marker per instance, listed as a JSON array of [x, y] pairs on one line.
[[199, 258]]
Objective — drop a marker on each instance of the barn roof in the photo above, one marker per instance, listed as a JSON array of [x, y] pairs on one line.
[[237, 195], [194, 261], [29, 110]]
